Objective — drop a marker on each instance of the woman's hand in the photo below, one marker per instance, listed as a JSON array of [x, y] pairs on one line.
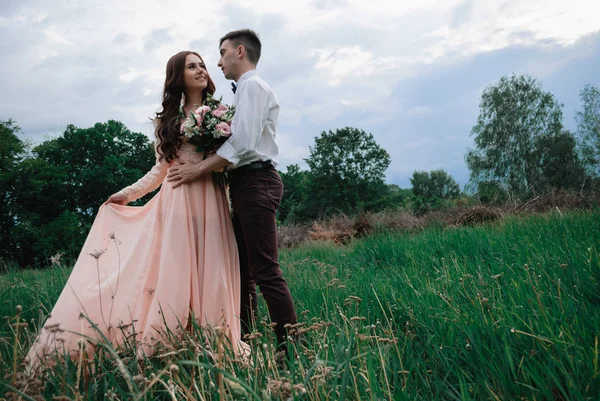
[[118, 199]]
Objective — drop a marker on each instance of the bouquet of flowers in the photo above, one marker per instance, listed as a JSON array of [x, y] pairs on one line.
[[208, 127]]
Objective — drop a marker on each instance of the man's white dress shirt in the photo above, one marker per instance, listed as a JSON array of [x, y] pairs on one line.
[[254, 125]]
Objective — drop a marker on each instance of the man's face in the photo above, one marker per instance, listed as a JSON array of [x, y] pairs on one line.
[[228, 62]]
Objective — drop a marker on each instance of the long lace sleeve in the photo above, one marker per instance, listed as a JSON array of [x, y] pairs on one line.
[[148, 182]]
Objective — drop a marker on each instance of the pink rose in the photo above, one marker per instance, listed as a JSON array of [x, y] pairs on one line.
[[223, 128], [202, 110], [219, 111]]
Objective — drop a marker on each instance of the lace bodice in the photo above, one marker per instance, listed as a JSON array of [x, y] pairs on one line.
[[157, 174]]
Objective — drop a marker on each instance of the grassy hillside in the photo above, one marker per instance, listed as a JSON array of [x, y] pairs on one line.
[[504, 311]]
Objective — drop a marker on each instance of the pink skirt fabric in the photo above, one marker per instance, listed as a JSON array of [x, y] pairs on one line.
[[150, 269]]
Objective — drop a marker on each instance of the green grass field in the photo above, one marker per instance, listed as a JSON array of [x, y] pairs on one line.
[[506, 311]]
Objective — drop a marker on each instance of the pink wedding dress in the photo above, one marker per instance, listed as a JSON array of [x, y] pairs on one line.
[[153, 266]]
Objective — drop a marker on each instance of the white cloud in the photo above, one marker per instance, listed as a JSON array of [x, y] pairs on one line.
[[340, 63], [496, 25], [332, 63], [55, 37]]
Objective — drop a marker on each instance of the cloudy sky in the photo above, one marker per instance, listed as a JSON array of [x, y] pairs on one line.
[[409, 72]]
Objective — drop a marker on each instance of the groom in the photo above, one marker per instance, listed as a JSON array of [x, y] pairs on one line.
[[255, 186]]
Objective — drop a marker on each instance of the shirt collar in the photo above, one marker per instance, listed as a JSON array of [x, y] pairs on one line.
[[245, 76]]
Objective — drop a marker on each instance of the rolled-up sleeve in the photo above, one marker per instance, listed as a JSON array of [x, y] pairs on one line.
[[248, 122]]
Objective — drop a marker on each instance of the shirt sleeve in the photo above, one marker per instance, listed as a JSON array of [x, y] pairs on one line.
[[248, 123]]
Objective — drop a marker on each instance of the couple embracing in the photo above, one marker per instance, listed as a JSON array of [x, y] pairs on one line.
[[185, 255]]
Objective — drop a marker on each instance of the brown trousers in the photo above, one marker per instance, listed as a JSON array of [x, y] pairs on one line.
[[255, 197]]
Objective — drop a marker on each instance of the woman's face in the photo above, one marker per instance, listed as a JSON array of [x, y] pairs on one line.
[[195, 76]]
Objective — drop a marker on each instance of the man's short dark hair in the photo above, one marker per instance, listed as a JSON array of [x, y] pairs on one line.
[[247, 38]]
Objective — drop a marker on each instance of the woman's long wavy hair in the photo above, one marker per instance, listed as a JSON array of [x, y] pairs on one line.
[[167, 120]]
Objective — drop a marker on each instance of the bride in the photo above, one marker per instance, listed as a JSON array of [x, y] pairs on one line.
[[151, 269]]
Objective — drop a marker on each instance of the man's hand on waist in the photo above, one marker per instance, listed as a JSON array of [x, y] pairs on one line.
[[182, 172]]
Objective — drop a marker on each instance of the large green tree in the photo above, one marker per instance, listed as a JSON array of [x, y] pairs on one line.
[[12, 151], [431, 189], [559, 162], [97, 161], [588, 129], [515, 113], [396, 197], [294, 185], [436, 184], [64, 181], [347, 173]]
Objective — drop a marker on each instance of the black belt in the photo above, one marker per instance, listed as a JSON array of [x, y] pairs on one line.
[[254, 166]]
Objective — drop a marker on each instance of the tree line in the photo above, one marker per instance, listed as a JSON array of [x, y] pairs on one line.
[[521, 149], [51, 191]]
